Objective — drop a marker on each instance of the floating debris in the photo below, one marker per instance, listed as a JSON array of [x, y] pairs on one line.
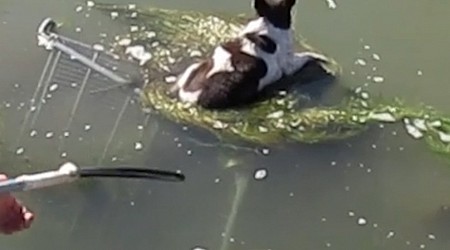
[[265, 151], [66, 134], [331, 4], [431, 237], [63, 155], [199, 248], [376, 57], [378, 79], [419, 73], [138, 52], [365, 95], [189, 152], [114, 15], [138, 146], [98, 47], [351, 213], [362, 221], [16, 85], [140, 127], [132, 6], [134, 28], [260, 174], [124, 42], [217, 180], [87, 127], [170, 79], [444, 137], [390, 235], [49, 135], [74, 85], [33, 133], [384, 117], [79, 8], [90, 3], [20, 151], [420, 124], [133, 15], [53, 87], [366, 47], [361, 62], [78, 29], [412, 130], [114, 159]]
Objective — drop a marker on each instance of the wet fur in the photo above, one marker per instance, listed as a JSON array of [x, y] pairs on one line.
[[240, 69]]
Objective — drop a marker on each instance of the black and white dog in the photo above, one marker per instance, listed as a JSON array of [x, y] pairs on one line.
[[239, 69]]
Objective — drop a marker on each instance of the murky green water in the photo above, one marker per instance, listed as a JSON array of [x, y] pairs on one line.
[[380, 190]]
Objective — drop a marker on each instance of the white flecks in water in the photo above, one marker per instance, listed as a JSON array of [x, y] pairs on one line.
[[260, 174], [195, 53], [134, 28], [422, 246], [444, 137], [361, 62], [333, 163], [199, 248], [351, 213], [369, 170], [374, 146], [74, 85], [170, 79], [66, 134], [98, 47], [263, 129], [265, 151], [366, 47], [401, 148], [291, 194], [7, 105], [352, 73], [328, 244], [347, 188], [217, 180], [133, 15], [384, 117], [138, 52], [49, 135], [63, 155], [323, 219], [390, 235], [53, 87], [79, 8], [132, 203], [376, 57], [378, 79], [78, 29], [375, 225], [419, 73], [16, 85], [132, 6], [90, 3], [435, 124], [49, 96], [114, 159], [138, 146], [365, 95], [87, 127], [124, 42], [412, 130], [431, 237], [362, 221], [20, 151], [140, 127], [189, 152], [420, 124], [331, 4], [114, 15], [33, 133]]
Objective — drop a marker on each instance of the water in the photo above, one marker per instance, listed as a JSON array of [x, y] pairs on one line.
[[380, 190]]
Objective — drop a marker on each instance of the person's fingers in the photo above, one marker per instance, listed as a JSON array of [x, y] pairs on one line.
[[28, 217]]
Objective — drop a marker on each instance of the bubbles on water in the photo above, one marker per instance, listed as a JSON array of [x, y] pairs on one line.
[[20, 151], [260, 174], [361, 221]]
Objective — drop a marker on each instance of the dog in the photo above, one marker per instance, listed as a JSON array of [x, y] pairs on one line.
[[239, 69]]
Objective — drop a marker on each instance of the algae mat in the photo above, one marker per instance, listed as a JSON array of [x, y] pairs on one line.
[[175, 38]]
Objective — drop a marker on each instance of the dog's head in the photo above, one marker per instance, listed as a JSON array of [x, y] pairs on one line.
[[277, 12]]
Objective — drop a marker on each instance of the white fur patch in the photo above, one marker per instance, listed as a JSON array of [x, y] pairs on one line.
[[221, 62], [186, 96]]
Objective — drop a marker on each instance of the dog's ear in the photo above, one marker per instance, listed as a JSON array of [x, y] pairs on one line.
[[261, 7], [289, 3]]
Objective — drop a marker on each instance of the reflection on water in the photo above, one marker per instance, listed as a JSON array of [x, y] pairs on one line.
[[380, 190]]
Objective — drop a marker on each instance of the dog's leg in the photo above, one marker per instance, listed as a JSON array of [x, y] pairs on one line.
[[299, 60]]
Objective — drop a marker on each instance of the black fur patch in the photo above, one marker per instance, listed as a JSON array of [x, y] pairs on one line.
[[278, 12], [264, 42]]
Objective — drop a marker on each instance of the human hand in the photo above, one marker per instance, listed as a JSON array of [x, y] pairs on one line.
[[14, 216]]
